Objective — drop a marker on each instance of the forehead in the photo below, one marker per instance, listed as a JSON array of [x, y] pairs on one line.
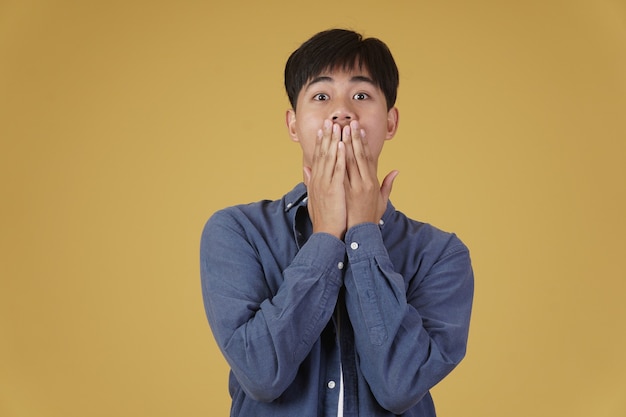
[[330, 75], [357, 67]]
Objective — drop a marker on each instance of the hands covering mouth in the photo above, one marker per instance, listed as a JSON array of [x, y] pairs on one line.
[[342, 182]]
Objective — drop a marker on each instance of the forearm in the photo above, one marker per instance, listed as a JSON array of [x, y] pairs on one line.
[[266, 333], [405, 345]]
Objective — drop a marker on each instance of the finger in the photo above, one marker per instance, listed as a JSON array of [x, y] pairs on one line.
[[320, 153], [324, 138], [362, 156], [387, 185], [339, 173], [331, 155], [351, 168], [336, 138], [307, 175]]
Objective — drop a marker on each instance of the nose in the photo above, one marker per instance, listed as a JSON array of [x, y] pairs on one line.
[[342, 119], [343, 114]]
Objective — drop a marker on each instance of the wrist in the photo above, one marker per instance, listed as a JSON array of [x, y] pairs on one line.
[[339, 234]]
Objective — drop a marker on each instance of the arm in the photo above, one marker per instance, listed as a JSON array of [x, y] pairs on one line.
[[407, 339], [266, 333], [409, 331]]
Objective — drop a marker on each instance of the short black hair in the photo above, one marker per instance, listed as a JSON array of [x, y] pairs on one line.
[[341, 48]]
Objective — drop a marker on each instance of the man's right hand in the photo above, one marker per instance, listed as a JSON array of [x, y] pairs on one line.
[[325, 182]]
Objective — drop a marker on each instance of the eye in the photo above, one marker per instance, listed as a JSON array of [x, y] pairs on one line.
[[320, 97], [361, 96]]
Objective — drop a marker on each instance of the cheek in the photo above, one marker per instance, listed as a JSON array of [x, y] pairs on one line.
[[307, 156], [375, 149], [307, 135], [308, 150], [375, 137]]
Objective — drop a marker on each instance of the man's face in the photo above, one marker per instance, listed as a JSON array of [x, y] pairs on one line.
[[341, 97]]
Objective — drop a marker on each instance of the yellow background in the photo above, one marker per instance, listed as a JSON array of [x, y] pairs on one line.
[[125, 124]]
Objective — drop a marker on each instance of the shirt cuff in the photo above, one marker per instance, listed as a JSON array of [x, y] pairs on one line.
[[363, 241], [323, 251]]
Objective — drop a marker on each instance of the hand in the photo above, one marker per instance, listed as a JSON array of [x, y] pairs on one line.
[[325, 182], [366, 200]]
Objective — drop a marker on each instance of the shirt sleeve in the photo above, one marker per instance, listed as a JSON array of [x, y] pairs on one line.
[[265, 333], [408, 336]]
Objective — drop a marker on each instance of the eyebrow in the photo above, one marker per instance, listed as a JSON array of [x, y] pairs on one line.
[[325, 78]]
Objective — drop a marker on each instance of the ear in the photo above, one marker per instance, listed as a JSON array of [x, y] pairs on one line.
[[290, 120], [393, 118]]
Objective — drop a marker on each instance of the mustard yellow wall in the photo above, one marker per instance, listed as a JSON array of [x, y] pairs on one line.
[[125, 124]]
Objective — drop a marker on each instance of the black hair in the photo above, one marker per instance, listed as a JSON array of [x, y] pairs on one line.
[[345, 49]]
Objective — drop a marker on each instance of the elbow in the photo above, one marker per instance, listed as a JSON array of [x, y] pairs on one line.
[[259, 388], [398, 403], [263, 394], [402, 393], [399, 394]]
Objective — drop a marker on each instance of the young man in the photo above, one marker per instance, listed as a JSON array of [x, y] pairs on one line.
[[329, 302]]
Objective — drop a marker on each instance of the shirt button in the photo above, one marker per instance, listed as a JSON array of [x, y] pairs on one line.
[[354, 246], [381, 222], [340, 265], [331, 384]]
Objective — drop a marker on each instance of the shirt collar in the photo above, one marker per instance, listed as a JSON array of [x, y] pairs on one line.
[[294, 197]]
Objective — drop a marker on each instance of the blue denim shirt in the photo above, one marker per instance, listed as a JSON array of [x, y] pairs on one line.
[[389, 307]]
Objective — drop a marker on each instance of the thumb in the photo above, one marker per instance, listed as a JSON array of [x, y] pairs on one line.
[[307, 175], [385, 188]]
